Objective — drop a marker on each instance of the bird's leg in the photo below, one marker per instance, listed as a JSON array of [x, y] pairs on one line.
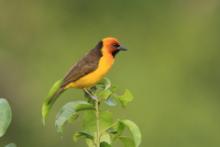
[[90, 94]]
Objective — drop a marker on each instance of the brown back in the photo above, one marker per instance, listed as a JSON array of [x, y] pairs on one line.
[[87, 64]]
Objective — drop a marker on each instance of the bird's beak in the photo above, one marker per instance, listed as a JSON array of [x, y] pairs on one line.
[[121, 48]]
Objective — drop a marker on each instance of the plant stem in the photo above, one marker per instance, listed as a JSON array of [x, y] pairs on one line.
[[98, 134], [97, 123]]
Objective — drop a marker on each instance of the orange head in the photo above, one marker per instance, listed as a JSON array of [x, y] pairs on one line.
[[112, 45]]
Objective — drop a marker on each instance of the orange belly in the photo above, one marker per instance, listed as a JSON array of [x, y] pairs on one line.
[[92, 78]]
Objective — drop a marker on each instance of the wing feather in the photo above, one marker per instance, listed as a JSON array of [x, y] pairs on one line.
[[86, 65]]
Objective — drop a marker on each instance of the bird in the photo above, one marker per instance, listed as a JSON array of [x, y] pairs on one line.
[[87, 72]]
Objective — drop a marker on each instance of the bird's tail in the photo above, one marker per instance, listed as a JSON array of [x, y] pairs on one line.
[[52, 96]]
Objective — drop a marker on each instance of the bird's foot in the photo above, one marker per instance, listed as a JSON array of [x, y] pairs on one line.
[[90, 94]]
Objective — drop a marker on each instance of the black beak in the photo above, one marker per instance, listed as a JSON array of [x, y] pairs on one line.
[[121, 48]]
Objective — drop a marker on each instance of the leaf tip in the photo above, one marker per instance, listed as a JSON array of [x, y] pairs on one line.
[[44, 111]]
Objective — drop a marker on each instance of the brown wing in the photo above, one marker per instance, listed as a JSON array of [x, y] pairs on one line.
[[87, 64]]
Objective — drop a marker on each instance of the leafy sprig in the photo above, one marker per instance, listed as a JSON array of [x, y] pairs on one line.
[[99, 128]]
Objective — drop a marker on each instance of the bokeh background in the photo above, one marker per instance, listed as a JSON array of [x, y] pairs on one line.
[[172, 66]]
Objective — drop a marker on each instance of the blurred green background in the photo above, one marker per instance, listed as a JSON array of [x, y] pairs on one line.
[[172, 66]]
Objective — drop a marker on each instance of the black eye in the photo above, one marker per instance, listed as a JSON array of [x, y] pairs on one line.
[[115, 45]]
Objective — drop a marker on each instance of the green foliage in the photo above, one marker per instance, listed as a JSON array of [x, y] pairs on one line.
[[118, 131], [82, 134], [105, 144], [99, 128], [134, 130], [126, 98], [127, 142], [89, 121], [5, 116], [50, 99], [70, 112]]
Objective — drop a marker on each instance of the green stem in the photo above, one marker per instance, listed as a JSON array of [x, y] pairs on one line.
[[97, 124], [98, 134]]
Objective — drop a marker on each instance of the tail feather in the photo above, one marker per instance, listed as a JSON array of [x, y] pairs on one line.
[[53, 94]]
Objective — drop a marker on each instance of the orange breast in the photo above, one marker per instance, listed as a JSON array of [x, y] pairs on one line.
[[92, 78]]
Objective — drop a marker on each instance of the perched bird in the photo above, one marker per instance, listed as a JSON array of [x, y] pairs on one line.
[[87, 71]]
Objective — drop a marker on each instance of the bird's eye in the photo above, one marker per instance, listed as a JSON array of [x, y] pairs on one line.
[[115, 45]]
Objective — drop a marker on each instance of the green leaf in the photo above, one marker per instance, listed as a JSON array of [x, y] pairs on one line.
[[50, 99], [127, 142], [82, 134], [119, 127], [106, 82], [134, 130], [106, 138], [69, 112], [113, 88], [103, 85], [90, 143], [11, 145], [89, 121], [125, 98], [5, 116], [54, 88], [104, 94], [105, 144], [106, 120]]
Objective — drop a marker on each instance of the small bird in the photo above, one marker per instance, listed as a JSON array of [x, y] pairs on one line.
[[87, 71]]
